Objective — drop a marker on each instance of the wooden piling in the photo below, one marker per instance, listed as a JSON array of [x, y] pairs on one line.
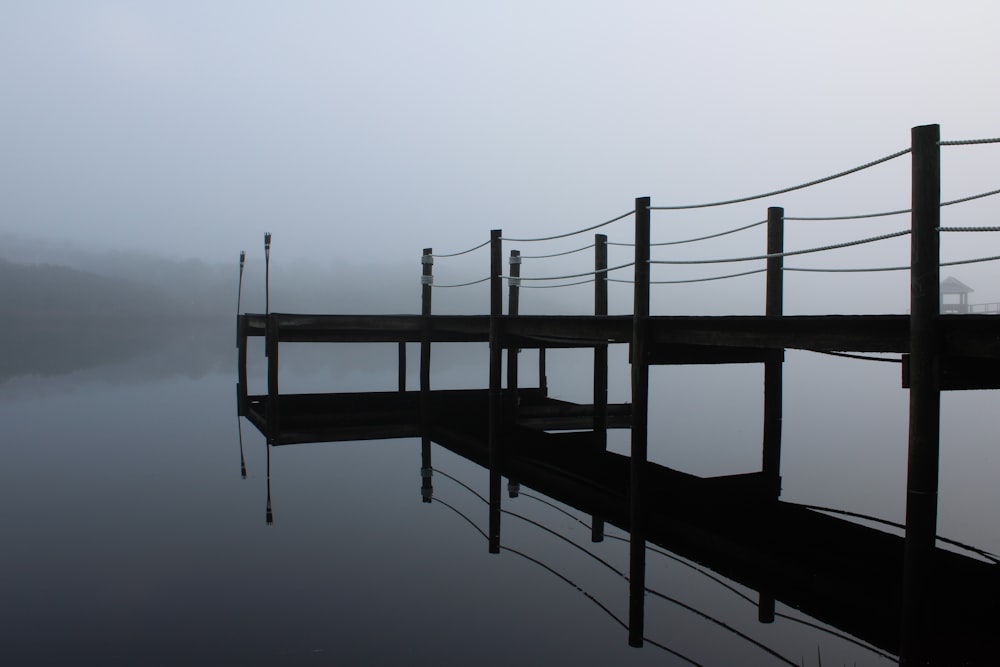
[[495, 396], [925, 393], [774, 307], [640, 412], [426, 288], [271, 347], [241, 366], [601, 351], [513, 305], [600, 365]]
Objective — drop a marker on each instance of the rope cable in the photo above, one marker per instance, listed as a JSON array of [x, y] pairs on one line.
[[862, 357], [579, 231], [558, 254], [784, 254], [463, 252], [577, 275], [899, 212], [473, 282], [703, 280], [710, 236], [578, 282], [784, 190], [969, 142]]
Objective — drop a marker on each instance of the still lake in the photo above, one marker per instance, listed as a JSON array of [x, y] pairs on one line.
[[130, 536]]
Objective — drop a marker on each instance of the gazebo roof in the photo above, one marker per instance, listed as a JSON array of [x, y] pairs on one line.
[[954, 286]]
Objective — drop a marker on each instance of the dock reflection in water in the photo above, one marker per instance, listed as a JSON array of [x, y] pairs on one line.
[[844, 577]]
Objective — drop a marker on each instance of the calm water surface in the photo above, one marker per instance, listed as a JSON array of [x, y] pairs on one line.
[[131, 537]]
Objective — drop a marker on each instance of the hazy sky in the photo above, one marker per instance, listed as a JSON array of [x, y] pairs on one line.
[[364, 129]]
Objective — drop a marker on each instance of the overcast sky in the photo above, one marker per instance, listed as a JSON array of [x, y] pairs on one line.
[[373, 129]]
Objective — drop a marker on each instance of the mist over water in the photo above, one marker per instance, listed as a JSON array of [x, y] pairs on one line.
[[133, 538]]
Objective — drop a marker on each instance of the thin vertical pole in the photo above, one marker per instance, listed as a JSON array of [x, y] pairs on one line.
[[267, 282], [640, 411], [402, 367], [495, 398], [239, 294], [513, 305], [774, 307], [925, 392]]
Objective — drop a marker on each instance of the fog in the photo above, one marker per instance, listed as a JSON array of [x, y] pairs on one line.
[[360, 133]]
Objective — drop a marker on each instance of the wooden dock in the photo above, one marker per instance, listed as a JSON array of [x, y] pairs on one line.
[[905, 595]]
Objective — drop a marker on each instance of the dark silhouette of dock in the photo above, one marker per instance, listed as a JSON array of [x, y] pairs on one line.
[[902, 594]]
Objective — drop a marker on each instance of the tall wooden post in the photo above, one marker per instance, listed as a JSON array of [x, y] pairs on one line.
[[271, 335], [601, 351], [426, 288], [774, 307], [495, 397], [925, 392], [600, 366], [640, 412], [513, 305]]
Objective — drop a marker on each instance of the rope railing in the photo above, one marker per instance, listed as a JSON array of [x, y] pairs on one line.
[[578, 282], [704, 280], [968, 229], [568, 234], [573, 275], [462, 252], [801, 186], [862, 357], [969, 142], [791, 253], [893, 268], [901, 211], [700, 238], [471, 282], [559, 254]]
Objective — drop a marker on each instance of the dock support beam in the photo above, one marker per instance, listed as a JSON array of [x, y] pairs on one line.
[[495, 396], [925, 391], [774, 307], [640, 412]]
